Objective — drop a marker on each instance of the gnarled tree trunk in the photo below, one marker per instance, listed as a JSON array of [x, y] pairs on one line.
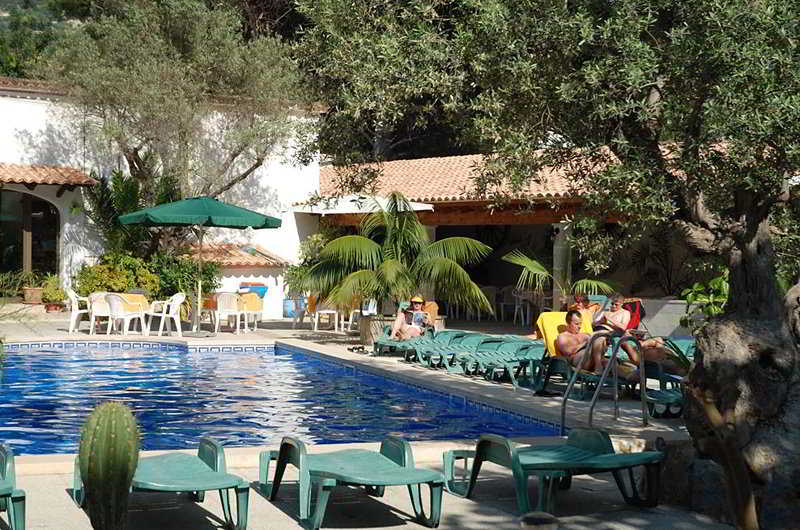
[[747, 370]]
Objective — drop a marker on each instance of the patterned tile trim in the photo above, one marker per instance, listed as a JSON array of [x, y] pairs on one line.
[[456, 399], [95, 345]]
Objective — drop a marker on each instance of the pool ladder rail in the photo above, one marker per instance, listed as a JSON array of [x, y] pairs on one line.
[[611, 363]]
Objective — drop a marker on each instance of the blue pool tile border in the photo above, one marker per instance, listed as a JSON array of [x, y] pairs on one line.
[[454, 397], [96, 345]]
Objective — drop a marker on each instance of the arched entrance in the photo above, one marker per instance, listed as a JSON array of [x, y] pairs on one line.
[[29, 229]]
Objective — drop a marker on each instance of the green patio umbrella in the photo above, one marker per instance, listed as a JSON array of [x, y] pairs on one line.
[[199, 213]]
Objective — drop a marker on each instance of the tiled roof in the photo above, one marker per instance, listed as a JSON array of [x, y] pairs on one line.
[[22, 174], [29, 87], [443, 179], [233, 255]]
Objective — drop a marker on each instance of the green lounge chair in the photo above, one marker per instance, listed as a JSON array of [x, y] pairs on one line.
[[449, 357], [522, 363], [386, 344], [587, 451], [180, 472], [440, 339], [392, 466], [12, 500]]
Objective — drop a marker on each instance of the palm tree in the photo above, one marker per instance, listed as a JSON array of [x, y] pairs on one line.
[[393, 257], [536, 277]]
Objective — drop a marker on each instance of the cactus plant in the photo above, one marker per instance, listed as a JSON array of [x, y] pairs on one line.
[[109, 454]]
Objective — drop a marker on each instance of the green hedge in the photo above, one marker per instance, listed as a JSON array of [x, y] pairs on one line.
[[161, 276]]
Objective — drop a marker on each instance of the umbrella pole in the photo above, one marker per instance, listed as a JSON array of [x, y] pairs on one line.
[[199, 283]]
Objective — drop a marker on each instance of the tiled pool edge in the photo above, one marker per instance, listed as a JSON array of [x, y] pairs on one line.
[[467, 397]]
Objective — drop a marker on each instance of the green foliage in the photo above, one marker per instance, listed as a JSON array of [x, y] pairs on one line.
[[12, 282], [119, 194], [786, 238], [23, 37], [108, 456], [392, 257], [297, 276], [536, 277], [661, 111], [118, 273], [149, 78], [102, 277], [387, 74], [704, 301], [177, 274], [52, 292]]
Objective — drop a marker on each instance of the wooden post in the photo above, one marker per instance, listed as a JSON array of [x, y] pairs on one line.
[[562, 266], [27, 234]]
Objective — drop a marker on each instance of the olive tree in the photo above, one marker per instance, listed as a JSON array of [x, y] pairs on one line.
[[684, 114], [178, 91]]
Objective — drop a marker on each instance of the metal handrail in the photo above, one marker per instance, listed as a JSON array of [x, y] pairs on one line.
[[587, 352], [642, 379]]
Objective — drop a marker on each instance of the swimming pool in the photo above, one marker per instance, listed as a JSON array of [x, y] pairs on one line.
[[243, 396]]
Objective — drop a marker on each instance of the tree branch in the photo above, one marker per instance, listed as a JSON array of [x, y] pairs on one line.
[[255, 165]]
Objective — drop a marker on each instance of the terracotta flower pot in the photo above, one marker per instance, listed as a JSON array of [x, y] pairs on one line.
[[53, 308], [32, 295]]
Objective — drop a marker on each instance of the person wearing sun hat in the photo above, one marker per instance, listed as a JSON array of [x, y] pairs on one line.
[[411, 321]]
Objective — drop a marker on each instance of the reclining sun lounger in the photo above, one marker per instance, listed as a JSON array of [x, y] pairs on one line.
[[180, 472], [587, 451], [12, 500], [392, 466]]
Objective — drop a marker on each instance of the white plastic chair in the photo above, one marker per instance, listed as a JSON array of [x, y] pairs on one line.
[[118, 311], [75, 310], [168, 310], [228, 306], [326, 310], [506, 299], [523, 300], [98, 308]]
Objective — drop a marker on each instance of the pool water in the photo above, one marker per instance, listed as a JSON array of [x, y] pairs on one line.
[[242, 398]]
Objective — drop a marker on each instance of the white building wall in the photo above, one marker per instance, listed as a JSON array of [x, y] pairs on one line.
[[36, 131], [272, 306]]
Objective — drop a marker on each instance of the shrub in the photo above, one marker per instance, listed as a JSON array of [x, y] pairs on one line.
[[117, 273], [178, 274], [52, 293], [102, 277]]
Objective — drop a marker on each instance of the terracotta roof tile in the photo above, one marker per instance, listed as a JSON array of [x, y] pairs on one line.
[[22, 174], [232, 255], [443, 179], [30, 87]]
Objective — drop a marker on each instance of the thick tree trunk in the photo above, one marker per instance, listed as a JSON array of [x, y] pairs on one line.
[[747, 369]]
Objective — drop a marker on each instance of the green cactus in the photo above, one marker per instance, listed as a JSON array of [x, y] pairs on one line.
[[109, 454]]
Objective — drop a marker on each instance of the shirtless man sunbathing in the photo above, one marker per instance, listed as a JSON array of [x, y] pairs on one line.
[[571, 342]]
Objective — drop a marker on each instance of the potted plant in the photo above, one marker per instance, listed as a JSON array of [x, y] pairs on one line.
[[31, 288], [52, 294]]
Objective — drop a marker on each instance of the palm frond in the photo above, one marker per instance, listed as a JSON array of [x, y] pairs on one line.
[[463, 250], [397, 279], [354, 288], [451, 282], [534, 275], [589, 286], [324, 276], [353, 252]]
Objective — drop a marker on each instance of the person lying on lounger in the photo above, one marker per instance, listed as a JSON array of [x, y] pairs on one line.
[[571, 342], [616, 321], [410, 322]]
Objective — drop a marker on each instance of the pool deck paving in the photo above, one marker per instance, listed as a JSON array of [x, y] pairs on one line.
[[592, 502]]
